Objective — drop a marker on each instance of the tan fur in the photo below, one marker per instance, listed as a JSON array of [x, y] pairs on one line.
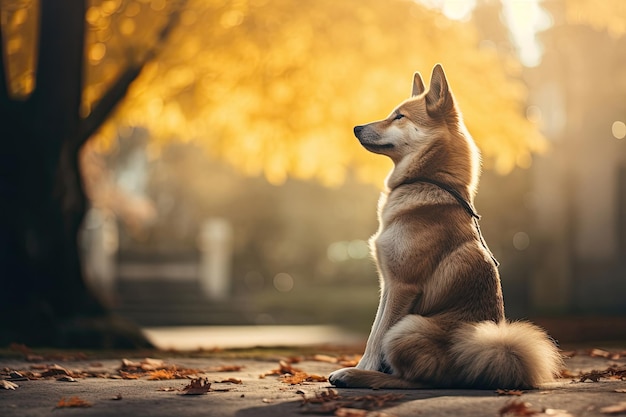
[[440, 321]]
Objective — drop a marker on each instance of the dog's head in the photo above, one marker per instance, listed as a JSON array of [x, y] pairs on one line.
[[416, 122]]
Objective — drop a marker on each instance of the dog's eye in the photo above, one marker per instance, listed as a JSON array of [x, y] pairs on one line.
[[398, 116]]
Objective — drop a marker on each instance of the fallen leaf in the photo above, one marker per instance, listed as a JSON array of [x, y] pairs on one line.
[[66, 378], [8, 385], [325, 358], [618, 408], [509, 392], [198, 386], [127, 375], [599, 353], [54, 370], [116, 398], [226, 368], [612, 372], [17, 376], [284, 367], [73, 402], [300, 377], [566, 373], [516, 408], [350, 412], [621, 390], [161, 375], [231, 381]]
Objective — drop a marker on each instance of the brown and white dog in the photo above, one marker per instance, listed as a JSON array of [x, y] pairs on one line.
[[440, 321]]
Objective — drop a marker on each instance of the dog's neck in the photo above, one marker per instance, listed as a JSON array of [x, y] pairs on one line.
[[440, 166], [467, 206]]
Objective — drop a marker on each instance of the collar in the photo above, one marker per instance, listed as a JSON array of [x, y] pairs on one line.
[[463, 202]]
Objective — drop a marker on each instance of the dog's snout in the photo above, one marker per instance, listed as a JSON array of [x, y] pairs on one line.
[[358, 130]]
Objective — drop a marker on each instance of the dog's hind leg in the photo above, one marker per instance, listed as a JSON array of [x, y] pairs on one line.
[[416, 349]]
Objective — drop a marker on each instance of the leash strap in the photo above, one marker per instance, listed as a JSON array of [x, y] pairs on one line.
[[465, 204]]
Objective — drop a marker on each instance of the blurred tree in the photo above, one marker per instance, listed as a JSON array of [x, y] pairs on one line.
[[44, 121]]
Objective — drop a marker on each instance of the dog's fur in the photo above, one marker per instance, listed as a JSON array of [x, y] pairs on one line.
[[440, 321]]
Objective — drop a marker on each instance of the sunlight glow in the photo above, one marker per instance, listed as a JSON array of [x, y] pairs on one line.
[[452, 9], [525, 18], [619, 129]]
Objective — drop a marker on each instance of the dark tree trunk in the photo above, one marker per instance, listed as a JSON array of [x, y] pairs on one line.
[[45, 301]]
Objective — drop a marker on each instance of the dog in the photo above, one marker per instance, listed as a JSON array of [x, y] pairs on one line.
[[440, 322]]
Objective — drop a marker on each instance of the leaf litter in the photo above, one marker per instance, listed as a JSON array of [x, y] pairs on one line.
[[73, 402], [292, 375], [331, 402]]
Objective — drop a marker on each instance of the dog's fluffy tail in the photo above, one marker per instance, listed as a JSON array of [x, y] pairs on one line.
[[504, 355]]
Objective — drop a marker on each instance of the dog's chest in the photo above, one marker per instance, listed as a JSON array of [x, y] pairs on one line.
[[403, 252]]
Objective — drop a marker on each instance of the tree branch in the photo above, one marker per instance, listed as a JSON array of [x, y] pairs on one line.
[[116, 93]]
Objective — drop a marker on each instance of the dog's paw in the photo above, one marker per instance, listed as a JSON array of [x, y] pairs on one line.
[[340, 378]]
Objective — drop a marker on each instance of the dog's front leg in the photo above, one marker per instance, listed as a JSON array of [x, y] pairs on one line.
[[373, 356], [395, 303]]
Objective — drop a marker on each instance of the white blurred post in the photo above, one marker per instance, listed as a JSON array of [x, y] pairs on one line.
[[99, 238], [215, 244]]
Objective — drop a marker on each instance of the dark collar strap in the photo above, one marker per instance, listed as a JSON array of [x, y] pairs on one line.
[[463, 202]]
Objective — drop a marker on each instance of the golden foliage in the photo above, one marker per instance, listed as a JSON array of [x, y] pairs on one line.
[[276, 87]]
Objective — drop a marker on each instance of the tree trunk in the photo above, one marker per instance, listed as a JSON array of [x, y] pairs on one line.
[[44, 298]]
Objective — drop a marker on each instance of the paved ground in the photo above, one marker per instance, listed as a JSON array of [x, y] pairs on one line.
[[100, 383]]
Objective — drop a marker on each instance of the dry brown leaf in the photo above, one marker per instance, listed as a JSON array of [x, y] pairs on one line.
[[566, 373], [161, 375], [325, 358], [226, 368], [516, 408], [623, 391], [8, 385], [73, 402], [300, 377], [284, 367], [349, 361], [613, 372], [618, 408], [54, 370], [231, 381], [127, 375], [350, 412], [197, 386], [599, 353]]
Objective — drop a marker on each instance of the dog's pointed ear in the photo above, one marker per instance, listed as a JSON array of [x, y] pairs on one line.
[[418, 85], [439, 99]]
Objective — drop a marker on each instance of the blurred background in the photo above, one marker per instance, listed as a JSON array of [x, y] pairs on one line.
[[227, 188]]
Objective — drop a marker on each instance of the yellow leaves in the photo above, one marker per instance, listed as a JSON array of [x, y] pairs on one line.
[[276, 87]]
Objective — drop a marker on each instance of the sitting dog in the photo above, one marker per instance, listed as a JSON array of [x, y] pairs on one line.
[[440, 321]]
